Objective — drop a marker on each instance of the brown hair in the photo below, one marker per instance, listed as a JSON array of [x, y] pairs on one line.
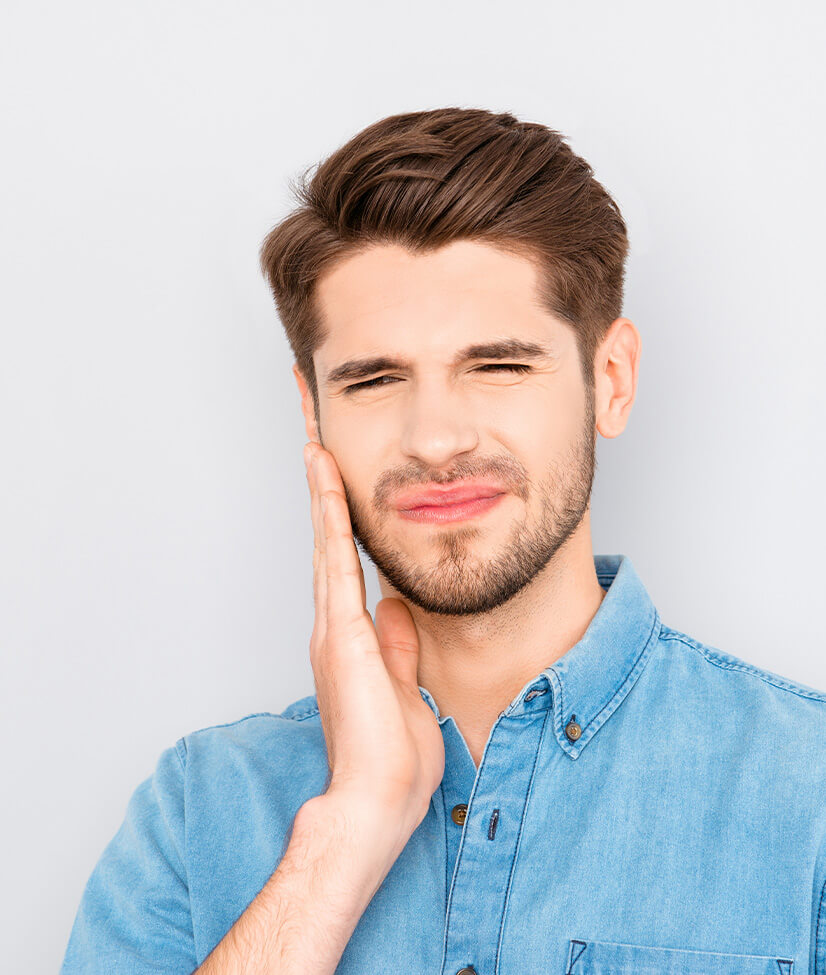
[[425, 179]]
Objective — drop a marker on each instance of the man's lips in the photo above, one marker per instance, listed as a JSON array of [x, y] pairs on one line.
[[439, 497]]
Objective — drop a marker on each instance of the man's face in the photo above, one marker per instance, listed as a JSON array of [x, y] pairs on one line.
[[432, 421]]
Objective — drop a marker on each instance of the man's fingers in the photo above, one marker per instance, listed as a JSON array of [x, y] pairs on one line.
[[345, 599], [345, 591], [319, 563]]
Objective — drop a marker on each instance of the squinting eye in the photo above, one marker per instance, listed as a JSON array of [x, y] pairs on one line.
[[370, 383], [366, 384], [513, 367]]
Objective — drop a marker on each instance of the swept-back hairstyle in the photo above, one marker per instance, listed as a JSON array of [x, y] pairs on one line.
[[425, 179]]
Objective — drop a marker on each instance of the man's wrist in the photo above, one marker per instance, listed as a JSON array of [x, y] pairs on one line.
[[376, 836]]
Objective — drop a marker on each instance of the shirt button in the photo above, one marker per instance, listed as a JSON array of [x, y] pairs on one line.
[[458, 814], [572, 729], [467, 971]]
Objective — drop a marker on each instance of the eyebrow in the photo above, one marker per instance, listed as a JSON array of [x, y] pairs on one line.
[[355, 369]]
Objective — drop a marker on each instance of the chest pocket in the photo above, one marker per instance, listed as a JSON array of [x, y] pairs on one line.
[[611, 958]]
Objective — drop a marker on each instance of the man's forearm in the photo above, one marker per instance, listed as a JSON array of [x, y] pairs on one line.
[[303, 917]]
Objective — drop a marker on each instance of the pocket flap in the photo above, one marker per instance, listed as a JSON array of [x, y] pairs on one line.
[[613, 958]]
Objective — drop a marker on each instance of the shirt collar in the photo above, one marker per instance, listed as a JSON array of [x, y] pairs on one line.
[[590, 681]]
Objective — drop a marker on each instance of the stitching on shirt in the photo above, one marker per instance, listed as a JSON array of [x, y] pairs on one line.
[[180, 748], [785, 961], [494, 819], [447, 844], [818, 946], [630, 677], [300, 715], [260, 714], [726, 661], [230, 724], [291, 712], [182, 852], [515, 860], [460, 851], [574, 958]]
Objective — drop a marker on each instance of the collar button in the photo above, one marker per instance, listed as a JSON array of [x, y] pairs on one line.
[[572, 729]]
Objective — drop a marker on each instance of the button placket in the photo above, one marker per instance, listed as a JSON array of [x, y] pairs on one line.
[[489, 843]]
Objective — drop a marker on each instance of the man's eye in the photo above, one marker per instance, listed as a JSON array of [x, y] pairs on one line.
[[368, 383], [512, 366]]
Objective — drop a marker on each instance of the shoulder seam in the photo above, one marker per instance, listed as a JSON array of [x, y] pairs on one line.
[[180, 750], [718, 658], [230, 724], [301, 715]]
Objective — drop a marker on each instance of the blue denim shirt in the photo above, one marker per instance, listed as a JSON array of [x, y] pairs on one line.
[[647, 804]]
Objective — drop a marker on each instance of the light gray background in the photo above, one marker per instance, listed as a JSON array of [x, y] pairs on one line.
[[156, 537]]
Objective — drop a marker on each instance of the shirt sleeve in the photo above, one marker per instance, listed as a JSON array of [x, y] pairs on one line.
[[134, 915]]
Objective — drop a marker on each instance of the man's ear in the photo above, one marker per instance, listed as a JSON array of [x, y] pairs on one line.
[[310, 424], [616, 371]]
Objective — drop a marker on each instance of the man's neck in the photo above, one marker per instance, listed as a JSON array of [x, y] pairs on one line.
[[474, 666]]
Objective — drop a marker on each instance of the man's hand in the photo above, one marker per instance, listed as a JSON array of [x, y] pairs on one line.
[[384, 744], [386, 757]]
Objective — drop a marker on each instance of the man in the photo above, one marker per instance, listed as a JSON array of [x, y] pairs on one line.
[[517, 767]]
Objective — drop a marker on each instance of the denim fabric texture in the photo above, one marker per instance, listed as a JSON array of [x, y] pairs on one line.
[[683, 832]]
